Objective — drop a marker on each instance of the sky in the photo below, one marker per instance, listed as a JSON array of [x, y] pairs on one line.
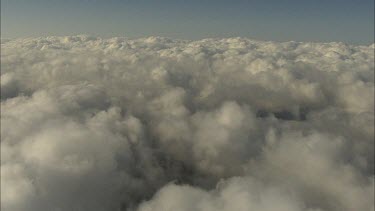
[[349, 21]]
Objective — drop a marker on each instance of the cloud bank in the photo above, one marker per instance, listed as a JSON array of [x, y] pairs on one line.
[[162, 124]]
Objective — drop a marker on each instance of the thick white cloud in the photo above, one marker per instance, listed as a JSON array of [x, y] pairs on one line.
[[240, 194], [162, 124]]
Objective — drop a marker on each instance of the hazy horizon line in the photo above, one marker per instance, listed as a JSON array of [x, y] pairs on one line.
[[186, 39]]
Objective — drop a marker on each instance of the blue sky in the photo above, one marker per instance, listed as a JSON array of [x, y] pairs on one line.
[[350, 21]]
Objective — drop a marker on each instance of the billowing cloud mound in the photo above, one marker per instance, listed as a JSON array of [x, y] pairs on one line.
[[164, 125]]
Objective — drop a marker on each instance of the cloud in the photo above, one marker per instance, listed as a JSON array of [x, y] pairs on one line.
[[163, 124], [237, 193]]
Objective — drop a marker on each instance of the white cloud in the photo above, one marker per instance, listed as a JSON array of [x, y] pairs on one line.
[[107, 124], [240, 194]]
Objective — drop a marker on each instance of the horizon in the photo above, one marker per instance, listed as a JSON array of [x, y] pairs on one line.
[[189, 40], [345, 21]]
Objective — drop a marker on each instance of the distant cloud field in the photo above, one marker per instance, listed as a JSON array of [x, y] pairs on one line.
[[159, 124]]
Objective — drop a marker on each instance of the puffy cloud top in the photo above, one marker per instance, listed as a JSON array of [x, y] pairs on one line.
[[163, 124]]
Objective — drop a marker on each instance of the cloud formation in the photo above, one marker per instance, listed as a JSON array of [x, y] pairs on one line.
[[163, 124]]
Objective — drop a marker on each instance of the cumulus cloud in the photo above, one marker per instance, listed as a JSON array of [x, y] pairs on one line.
[[164, 124], [244, 193]]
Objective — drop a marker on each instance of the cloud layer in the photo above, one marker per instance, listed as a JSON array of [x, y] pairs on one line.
[[163, 124]]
